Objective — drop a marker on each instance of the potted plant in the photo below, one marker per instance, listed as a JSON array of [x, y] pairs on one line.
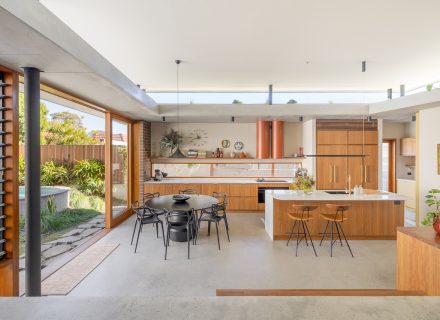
[[432, 217], [303, 181]]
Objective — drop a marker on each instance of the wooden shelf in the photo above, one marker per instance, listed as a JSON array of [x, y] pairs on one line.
[[225, 160]]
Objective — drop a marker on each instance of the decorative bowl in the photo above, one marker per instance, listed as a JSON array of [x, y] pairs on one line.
[[181, 197]]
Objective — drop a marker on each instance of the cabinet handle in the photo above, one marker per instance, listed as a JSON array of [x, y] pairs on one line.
[[362, 173], [334, 173], [331, 174], [366, 177]]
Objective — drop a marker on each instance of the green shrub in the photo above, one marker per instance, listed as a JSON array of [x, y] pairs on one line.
[[89, 176], [54, 174], [51, 222], [21, 170], [51, 205], [97, 203], [78, 199]]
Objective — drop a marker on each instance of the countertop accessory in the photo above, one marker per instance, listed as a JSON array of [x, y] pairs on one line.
[[239, 145]]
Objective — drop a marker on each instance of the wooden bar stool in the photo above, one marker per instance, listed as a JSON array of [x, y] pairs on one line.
[[300, 217], [335, 217]]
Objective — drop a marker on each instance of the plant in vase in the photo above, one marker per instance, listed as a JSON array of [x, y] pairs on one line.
[[432, 217], [303, 181], [171, 141]]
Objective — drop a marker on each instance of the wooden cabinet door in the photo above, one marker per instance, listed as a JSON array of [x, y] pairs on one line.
[[355, 165], [370, 167], [331, 171], [162, 188], [210, 188], [408, 147], [184, 186], [332, 137], [243, 203], [362, 137], [243, 190]]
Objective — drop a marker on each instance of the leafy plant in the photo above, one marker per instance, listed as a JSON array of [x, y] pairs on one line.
[[171, 140], [54, 174], [51, 222], [236, 101], [78, 199], [302, 180], [51, 205], [21, 175], [292, 101], [433, 201], [429, 87], [89, 176]]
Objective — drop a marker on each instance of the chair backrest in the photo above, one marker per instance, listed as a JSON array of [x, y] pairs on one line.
[[138, 209], [179, 218], [189, 191], [149, 196], [222, 198]]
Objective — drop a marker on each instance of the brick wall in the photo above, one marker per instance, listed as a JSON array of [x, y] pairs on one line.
[[143, 154]]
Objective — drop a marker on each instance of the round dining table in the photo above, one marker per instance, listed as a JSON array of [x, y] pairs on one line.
[[196, 201]]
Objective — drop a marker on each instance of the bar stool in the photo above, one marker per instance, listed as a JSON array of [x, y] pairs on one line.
[[335, 217], [301, 216]]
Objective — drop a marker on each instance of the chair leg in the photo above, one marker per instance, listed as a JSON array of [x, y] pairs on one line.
[[134, 231], [343, 234], [188, 237], [197, 232], [325, 232], [157, 230], [218, 238], [137, 240], [209, 228], [291, 233], [167, 242], [308, 232], [163, 235], [297, 240], [331, 241], [304, 230], [226, 225], [339, 235]]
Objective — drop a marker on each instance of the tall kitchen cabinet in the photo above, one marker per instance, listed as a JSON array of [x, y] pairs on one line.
[[335, 161]]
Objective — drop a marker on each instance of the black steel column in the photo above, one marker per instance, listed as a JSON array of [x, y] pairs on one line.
[[32, 181]]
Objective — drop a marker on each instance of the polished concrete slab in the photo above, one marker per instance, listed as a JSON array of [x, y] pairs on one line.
[[298, 308], [249, 261]]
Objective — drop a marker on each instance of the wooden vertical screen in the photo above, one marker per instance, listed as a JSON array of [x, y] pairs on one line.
[[9, 179], [263, 139]]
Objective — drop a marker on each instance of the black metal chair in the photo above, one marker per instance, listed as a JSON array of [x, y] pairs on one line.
[[148, 196], [180, 221], [221, 211], [145, 215], [212, 215]]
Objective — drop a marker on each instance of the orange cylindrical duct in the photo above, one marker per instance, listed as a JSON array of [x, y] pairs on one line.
[[277, 139], [263, 139]]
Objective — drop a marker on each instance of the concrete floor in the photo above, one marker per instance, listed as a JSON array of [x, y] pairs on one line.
[[194, 308], [250, 260]]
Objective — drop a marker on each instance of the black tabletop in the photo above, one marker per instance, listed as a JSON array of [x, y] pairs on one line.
[[196, 202]]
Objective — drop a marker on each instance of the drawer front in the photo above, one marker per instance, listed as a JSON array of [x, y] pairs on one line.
[[243, 203], [243, 190]]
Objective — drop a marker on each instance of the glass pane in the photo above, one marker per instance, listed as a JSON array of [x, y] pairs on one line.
[[285, 169], [119, 167], [184, 169]]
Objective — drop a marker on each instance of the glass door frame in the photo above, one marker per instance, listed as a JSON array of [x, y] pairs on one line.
[[110, 221]]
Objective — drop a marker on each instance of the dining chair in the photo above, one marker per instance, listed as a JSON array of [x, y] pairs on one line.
[[180, 221], [148, 196], [189, 191], [222, 199], [145, 215], [213, 215]]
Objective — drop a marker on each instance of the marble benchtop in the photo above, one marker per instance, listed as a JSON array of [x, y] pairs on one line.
[[320, 195]]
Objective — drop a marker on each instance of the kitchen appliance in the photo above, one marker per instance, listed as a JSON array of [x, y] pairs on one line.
[[262, 190]]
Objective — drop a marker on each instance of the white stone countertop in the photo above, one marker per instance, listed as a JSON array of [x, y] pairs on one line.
[[407, 179], [320, 195], [221, 180]]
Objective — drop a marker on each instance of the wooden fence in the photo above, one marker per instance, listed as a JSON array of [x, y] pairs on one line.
[[70, 153]]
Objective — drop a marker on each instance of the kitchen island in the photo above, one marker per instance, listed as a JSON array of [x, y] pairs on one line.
[[372, 215]]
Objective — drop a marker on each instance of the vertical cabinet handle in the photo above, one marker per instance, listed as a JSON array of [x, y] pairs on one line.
[[362, 174], [366, 176], [334, 173]]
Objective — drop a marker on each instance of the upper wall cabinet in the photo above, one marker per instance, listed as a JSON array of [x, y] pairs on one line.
[[362, 137], [408, 147]]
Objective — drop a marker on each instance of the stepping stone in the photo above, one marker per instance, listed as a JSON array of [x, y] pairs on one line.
[[87, 225], [88, 232], [46, 246], [66, 240], [74, 232], [56, 251], [97, 220]]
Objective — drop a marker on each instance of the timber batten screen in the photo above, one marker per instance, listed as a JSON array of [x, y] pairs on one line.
[[3, 97]]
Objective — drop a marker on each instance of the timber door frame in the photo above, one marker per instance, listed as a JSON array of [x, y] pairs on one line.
[[391, 164]]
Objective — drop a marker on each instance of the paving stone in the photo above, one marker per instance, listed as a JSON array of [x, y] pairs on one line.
[[97, 219], [67, 240], [74, 232], [46, 246], [56, 251], [87, 225], [88, 232]]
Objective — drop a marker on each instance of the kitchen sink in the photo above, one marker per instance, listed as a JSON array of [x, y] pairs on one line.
[[336, 192], [271, 180]]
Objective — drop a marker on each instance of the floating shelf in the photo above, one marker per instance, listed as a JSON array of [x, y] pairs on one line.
[[225, 160]]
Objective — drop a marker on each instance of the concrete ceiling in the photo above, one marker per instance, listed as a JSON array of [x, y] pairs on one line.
[[248, 44]]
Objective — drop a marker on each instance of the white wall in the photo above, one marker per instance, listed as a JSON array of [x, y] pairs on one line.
[[309, 143], [429, 137], [216, 132], [398, 130]]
